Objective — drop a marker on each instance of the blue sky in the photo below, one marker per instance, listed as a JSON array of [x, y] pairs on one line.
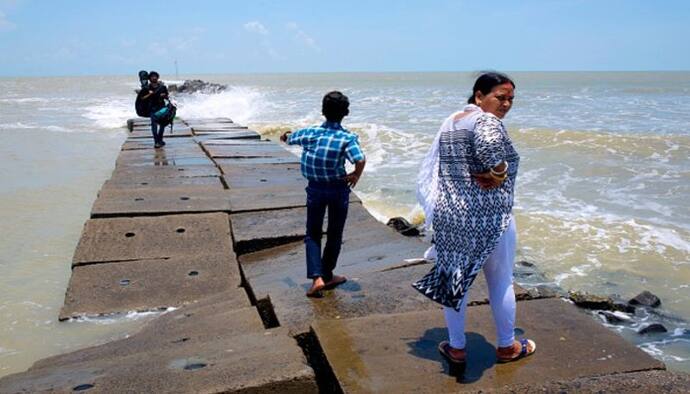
[[75, 37]]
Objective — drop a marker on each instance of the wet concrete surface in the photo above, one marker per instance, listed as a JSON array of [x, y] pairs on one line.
[[247, 151], [163, 183], [262, 175], [228, 135], [157, 201], [119, 239], [270, 197], [221, 364], [145, 285], [164, 172], [286, 158], [178, 131], [397, 353]]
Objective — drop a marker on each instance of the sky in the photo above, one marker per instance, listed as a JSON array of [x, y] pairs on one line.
[[108, 37]]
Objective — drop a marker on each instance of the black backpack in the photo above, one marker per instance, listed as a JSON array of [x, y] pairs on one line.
[[143, 107], [166, 115]]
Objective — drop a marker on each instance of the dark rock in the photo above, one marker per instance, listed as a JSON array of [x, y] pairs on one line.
[[623, 307], [526, 264], [402, 226], [547, 291], [197, 85], [653, 328], [591, 301], [615, 317], [646, 299]]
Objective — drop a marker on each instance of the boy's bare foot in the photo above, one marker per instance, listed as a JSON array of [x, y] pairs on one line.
[[336, 281], [316, 287]]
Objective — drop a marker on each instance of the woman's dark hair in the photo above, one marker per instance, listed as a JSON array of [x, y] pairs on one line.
[[154, 73], [486, 82], [335, 106]]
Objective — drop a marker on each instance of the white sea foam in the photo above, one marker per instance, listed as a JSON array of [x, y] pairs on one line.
[[110, 114], [120, 317], [31, 126], [238, 103]]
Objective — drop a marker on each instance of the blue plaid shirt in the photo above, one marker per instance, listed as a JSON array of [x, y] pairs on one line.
[[324, 150]]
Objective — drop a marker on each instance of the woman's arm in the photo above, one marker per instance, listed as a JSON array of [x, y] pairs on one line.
[[488, 143]]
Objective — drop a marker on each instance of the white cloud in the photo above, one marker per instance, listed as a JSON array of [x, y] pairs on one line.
[[301, 36], [4, 23], [256, 27]]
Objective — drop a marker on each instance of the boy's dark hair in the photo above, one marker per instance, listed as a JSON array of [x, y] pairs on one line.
[[335, 106], [486, 82], [152, 73]]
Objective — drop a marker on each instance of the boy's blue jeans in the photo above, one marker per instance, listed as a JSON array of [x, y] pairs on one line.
[[334, 196], [157, 130]]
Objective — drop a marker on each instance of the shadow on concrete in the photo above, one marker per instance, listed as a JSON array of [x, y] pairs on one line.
[[481, 355]]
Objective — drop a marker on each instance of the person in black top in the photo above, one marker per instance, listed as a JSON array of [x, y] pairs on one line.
[[157, 93]]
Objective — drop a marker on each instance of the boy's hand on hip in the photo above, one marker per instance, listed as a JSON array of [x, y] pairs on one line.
[[285, 136], [352, 179]]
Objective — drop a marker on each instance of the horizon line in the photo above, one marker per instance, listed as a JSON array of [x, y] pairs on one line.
[[3, 76]]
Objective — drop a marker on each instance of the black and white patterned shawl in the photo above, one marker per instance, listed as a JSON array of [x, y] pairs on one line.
[[467, 220]]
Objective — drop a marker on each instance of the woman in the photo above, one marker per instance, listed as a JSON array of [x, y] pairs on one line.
[[466, 186]]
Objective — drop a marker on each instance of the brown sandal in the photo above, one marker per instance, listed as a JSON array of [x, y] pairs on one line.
[[444, 349], [524, 352]]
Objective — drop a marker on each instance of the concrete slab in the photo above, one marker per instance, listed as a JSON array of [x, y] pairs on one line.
[[285, 159], [200, 121], [368, 247], [216, 127], [235, 134], [368, 354], [262, 175], [163, 160], [120, 239], [270, 197], [120, 183], [655, 381], [236, 142], [149, 285], [142, 143], [259, 230], [241, 151], [178, 131], [165, 172], [263, 362], [148, 201], [218, 315]]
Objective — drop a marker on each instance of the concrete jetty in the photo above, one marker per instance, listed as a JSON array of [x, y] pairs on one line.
[[210, 228]]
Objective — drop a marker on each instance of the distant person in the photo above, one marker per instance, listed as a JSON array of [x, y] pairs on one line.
[[156, 96], [466, 186], [324, 151]]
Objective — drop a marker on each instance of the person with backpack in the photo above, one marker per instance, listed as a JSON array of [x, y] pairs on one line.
[[155, 97]]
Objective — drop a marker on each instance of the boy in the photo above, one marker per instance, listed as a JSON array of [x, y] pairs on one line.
[[324, 150]]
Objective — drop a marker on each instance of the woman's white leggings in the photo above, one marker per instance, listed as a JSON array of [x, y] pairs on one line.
[[498, 270]]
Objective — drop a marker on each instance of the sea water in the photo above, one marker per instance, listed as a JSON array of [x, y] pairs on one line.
[[602, 200]]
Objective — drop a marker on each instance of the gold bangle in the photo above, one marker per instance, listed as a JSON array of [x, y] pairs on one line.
[[499, 177], [502, 173]]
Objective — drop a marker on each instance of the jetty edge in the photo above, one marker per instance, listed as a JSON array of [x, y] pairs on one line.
[[212, 225]]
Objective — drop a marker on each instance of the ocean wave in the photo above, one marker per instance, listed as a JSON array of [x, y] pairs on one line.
[[29, 126], [240, 104], [112, 113], [24, 100]]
